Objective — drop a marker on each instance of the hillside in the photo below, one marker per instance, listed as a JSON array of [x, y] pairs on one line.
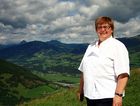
[[67, 97], [133, 45], [45, 56], [54, 56], [131, 41], [28, 49], [17, 84]]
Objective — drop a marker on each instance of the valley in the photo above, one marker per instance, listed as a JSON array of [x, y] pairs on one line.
[[40, 72]]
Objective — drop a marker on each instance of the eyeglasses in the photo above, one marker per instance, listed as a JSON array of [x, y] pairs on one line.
[[105, 27]]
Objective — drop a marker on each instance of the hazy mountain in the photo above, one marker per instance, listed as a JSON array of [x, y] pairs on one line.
[[51, 47], [131, 41]]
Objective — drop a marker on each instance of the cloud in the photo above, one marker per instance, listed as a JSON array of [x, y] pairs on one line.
[[119, 10], [128, 29], [65, 20]]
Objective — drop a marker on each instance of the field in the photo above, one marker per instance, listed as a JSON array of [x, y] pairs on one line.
[[67, 97], [58, 77]]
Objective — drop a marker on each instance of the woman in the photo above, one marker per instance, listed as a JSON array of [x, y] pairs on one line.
[[104, 67]]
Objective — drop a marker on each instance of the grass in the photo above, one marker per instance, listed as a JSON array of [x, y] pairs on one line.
[[34, 92], [132, 90], [135, 59], [67, 97], [38, 91]]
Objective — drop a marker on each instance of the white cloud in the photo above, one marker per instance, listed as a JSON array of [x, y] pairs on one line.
[[131, 28], [101, 3], [89, 11]]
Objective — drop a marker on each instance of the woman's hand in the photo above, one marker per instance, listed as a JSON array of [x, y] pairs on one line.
[[80, 96], [80, 93], [117, 101]]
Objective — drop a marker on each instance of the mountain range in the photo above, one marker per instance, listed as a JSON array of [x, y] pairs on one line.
[[56, 56], [44, 56]]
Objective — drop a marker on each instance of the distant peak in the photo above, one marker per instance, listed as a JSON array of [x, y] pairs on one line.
[[54, 41], [23, 42]]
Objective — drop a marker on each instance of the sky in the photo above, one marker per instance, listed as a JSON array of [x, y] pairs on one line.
[[69, 21]]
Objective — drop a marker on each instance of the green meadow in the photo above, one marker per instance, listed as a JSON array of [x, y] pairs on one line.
[[58, 77]]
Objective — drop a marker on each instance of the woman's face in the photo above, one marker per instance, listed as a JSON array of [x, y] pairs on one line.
[[104, 31]]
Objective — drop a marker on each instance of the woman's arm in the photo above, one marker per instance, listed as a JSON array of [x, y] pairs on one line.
[[121, 84], [80, 91]]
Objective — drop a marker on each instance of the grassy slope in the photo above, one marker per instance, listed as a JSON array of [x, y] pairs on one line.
[[67, 97], [133, 89], [18, 84]]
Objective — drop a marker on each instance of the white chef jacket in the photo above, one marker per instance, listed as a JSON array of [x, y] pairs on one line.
[[101, 67]]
